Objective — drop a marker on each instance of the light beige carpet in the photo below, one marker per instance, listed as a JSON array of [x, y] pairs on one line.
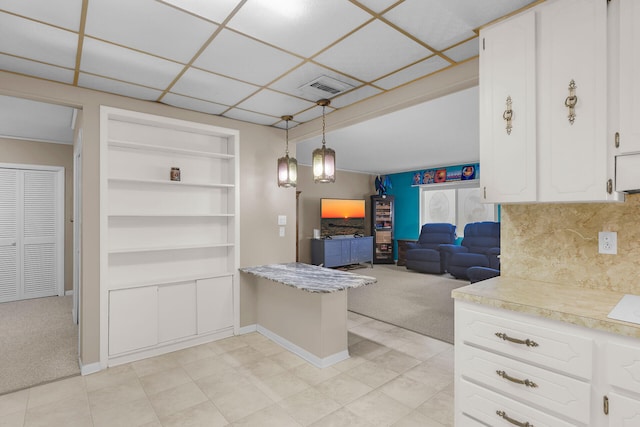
[[416, 301], [38, 342]]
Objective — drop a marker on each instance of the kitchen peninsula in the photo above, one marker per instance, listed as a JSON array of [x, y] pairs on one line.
[[303, 307]]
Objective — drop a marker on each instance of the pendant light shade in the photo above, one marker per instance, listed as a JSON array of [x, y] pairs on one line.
[[324, 159], [287, 166]]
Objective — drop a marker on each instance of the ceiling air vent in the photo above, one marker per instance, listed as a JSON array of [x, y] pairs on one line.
[[324, 87]]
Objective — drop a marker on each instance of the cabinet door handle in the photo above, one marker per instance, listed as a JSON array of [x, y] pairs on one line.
[[508, 115], [527, 342], [504, 415], [571, 101], [525, 382]]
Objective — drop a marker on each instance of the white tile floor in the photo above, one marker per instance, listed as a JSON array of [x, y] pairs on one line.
[[394, 378]]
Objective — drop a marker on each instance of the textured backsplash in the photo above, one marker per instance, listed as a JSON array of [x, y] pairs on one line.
[[558, 243]]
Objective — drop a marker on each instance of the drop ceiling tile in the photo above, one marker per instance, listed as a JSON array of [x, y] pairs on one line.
[[216, 11], [35, 69], [40, 42], [476, 14], [310, 114], [433, 21], [149, 26], [102, 84], [292, 82], [119, 63], [193, 104], [274, 103], [232, 54], [53, 124], [373, 51], [414, 72], [377, 5], [298, 26], [212, 87], [354, 96], [251, 117], [464, 50], [62, 13]]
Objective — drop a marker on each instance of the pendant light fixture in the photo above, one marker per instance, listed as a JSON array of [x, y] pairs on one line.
[[324, 159], [287, 166]]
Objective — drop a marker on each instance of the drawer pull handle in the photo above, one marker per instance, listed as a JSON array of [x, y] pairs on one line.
[[525, 382], [527, 342], [504, 415]]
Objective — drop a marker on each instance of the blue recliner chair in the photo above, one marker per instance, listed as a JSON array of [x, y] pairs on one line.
[[424, 255], [480, 247]]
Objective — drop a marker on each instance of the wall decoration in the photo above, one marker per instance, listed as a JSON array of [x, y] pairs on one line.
[[466, 172]]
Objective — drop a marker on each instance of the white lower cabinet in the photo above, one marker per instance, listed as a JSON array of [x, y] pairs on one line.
[[517, 369], [176, 311], [215, 304], [133, 319]]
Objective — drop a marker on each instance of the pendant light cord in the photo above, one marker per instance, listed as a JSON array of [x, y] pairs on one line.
[[287, 138], [323, 126]]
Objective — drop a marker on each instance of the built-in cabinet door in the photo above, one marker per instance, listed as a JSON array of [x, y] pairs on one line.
[[629, 72], [623, 411], [508, 111], [176, 311], [572, 70], [133, 319], [215, 304]]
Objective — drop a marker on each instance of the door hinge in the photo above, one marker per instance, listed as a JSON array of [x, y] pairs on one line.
[[617, 140], [605, 405], [609, 186], [485, 193], [483, 43]]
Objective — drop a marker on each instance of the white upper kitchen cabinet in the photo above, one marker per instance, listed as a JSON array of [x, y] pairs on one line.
[[628, 73], [551, 82]]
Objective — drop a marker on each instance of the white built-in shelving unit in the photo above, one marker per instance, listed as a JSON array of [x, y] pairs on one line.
[[169, 249]]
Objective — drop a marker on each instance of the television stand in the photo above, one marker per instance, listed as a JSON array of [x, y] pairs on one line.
[[342, 250]]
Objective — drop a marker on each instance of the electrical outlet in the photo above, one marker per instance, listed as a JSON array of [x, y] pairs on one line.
[[608, 242]]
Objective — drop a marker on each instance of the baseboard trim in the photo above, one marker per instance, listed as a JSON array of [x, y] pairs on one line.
[[247, 329], [91, 368], [309, 357], [67, 293]]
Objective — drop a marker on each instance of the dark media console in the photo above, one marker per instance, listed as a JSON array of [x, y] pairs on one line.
[[342, 250]]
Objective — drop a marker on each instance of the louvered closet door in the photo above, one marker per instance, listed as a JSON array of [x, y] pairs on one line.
[[29, 256], [9, 278]]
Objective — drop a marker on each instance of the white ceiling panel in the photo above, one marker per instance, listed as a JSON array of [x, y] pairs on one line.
[[194, 104], [413, 72], [216, 11], [24, 38], [251, 117], [53, 124], [377, 5], [212, 87], [292, 82], [274, 103], [258, 63], [464, 50], [36, 69], [432, 21], [303, 27], [376, 43], [120, 88], [62, 13], [127, 65], [149, 26]]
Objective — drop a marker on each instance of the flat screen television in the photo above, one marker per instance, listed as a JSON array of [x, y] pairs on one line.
[[342, 217]]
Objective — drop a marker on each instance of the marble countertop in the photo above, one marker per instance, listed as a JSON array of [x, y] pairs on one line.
[[571, 304], [310, 278]]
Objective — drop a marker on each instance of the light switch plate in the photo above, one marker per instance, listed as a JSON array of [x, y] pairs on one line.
[[282, 220], [281, 231]]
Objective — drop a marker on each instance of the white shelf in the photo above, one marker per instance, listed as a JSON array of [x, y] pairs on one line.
[[168, 182], [170, 215], [174, 150], [166, 281], [169, 248]]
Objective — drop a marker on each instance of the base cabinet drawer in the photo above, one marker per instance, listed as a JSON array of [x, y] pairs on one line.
[[556, 393], [623, 367], [494, 409], [623, 411], [552, 346]]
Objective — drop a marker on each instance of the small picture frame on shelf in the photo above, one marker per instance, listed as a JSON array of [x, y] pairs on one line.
[[175, 174]]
